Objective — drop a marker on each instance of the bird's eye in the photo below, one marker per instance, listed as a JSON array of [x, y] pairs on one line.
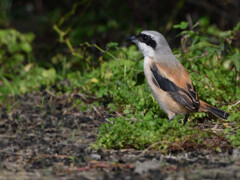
[[145, 37]]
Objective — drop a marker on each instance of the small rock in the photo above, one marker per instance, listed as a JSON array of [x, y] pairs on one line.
[[236, 154], [129, 157], [95, 156], [143, 167]]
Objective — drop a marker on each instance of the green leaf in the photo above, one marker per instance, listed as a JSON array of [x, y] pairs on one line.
[[237, 27], [112, 45], [236, 61], [182, 25], [25, 46]]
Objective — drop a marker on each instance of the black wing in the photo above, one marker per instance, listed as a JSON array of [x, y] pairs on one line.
[[187, 97]]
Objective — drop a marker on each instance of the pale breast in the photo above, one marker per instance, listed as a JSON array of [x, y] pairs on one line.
[[164, 99]]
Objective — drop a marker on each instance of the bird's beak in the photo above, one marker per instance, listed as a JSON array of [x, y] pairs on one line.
[[132, 39]]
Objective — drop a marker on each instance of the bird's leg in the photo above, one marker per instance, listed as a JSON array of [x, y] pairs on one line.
[[170, 116], [169, 120], [185, 119]]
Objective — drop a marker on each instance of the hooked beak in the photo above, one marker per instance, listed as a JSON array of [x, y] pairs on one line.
[[132, 39]]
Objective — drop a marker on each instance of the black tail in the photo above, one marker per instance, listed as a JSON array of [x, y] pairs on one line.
[[217, 112]]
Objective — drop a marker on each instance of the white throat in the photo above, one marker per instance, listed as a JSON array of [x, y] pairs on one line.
[[146, 50]]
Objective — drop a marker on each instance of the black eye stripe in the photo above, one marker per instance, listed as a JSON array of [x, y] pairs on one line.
[[143, 37], [147, 40]]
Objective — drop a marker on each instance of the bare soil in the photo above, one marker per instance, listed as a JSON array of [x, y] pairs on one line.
[[45, 137]]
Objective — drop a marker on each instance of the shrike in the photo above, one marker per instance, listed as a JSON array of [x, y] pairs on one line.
[[168, 80]]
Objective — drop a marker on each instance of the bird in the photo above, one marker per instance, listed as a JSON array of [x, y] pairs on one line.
[[168, 79]]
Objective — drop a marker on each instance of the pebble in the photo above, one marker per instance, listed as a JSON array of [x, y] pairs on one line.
[[144, 167], [95, 156]]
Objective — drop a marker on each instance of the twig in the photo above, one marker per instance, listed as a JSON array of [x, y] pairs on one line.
[[84, 96], [179, 146], [215, 128], [233, 105], [50, 93], [106, 119], [118, 114], [100, 49], [147, 149], [96, 110], [132, 119], [219, 130]]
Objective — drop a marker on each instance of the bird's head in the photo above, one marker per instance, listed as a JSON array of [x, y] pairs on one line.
[[151, 43]]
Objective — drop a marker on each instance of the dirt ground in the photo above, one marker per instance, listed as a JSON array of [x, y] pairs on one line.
[[44, 137]]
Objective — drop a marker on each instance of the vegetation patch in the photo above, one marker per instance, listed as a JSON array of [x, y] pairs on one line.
[[141, 123], [136, 120]]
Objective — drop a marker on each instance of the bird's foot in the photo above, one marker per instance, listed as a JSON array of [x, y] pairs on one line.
[[185, 119], [169, 120]]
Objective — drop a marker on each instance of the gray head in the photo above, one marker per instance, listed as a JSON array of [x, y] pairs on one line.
[[151, 43]]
